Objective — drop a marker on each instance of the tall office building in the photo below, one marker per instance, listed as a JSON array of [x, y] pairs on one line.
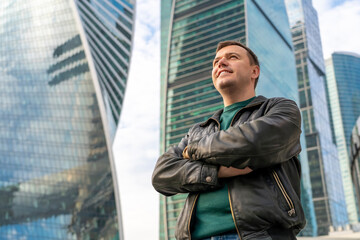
[[63, 71], [327, 188], [190, 31], [343, 77], [355, 159]]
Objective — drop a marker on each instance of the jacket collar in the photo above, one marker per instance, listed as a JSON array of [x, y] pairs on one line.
[[216, 117]]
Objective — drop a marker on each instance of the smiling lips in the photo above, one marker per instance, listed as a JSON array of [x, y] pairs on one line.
[[223, 71]]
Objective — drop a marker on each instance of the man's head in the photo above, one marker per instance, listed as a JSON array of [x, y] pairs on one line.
[[235, 67]]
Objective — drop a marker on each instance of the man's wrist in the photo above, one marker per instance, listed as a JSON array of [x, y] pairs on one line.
[[225, 172]]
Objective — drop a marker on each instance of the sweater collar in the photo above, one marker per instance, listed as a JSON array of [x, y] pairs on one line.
[[216, 117]]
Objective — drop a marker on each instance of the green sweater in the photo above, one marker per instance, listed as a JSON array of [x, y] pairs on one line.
[[213, 215]]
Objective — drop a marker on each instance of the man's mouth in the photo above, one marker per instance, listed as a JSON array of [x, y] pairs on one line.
[[223, 71]]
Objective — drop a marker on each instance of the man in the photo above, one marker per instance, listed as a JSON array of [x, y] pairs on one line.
[[240, 167]]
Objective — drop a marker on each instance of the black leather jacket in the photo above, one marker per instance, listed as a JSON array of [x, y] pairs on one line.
[[265, 136]]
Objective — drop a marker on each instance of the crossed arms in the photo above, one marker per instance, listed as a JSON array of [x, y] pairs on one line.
[[260, 143], [224, 172]]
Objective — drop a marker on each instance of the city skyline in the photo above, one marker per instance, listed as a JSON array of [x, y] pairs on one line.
[[136, 144], [137, 168]]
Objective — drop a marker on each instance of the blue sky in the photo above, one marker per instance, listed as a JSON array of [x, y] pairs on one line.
[[136, 146]]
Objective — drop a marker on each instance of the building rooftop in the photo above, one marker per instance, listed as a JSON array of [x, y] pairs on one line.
[[347, 53]]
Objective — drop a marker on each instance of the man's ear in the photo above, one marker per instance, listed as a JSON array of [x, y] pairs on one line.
[[255, 71]]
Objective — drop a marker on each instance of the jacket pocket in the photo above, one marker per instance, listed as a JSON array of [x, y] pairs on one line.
[[290, 204], [288, 197]]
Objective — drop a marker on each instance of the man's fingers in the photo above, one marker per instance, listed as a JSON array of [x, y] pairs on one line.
[[185, 153]]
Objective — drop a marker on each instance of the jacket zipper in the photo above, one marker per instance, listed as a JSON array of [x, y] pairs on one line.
[[191, 213], [231, 208], [291, 212], [232, 213]]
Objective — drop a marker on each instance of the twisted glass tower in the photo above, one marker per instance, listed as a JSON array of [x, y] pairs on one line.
[[63, 71], [190, 31]]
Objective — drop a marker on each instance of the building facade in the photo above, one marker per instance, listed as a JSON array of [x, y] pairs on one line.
[[325, 175], [190, 31], [342, 77], [63, 72], [355, 159]]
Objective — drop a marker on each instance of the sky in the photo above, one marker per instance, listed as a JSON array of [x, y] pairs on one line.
[[136, 145]]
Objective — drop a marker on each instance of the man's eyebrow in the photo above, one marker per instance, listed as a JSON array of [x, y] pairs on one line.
[[230, 53]]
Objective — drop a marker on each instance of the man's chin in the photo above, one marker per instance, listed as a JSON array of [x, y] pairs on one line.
[[224, 86]]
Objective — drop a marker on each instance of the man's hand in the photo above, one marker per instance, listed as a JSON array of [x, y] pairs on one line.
[[225, 172], [185, 154]]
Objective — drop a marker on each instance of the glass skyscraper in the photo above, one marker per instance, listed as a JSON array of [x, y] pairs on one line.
[[342, 76], [190, 31], [325, 175], [355, 161], [63, 72]]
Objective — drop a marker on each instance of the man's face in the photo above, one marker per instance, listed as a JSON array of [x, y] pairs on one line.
[[232, 70]]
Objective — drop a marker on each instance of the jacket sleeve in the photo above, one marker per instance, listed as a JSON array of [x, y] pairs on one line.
[[265, 141], [173, 174]]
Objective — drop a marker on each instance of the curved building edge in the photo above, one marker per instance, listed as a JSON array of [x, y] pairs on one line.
[[131, 45], [103, 113]]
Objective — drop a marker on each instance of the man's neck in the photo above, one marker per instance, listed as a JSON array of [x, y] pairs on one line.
[[231, 99]]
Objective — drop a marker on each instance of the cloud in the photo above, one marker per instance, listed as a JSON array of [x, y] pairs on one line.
[[136, 145], [339, 25], [322, 5]]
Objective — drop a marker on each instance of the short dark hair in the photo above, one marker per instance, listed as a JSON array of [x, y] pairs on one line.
[[251, 55]]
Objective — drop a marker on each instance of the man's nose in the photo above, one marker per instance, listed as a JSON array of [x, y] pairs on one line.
[[222, 62]]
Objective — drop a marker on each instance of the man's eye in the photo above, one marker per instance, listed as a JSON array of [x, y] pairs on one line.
[[215, 62], [233, 57]]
